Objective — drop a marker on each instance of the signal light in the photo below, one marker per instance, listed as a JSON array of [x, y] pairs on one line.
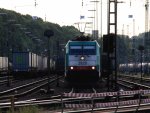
[[108, 43]]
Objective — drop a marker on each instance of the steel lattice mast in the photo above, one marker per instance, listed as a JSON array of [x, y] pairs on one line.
[[112, 28]]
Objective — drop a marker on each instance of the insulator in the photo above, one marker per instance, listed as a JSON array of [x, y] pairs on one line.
[[35, 3], [130, 3]]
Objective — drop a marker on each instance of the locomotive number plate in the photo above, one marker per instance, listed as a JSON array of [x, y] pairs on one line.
[[82, 63]]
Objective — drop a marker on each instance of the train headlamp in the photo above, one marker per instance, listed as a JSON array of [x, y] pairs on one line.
[[93, 67], [82, 57], [71, 68]]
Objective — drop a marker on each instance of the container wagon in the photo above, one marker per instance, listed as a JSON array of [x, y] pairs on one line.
[[24, 64]]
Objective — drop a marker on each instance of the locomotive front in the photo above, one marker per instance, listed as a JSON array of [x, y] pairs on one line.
[[82, 62]]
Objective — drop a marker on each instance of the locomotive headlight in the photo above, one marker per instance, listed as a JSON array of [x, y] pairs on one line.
[[82, 58], [71, 68], [93, 68]]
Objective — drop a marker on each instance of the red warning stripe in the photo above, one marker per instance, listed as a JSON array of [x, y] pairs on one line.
[[108, 104], [121, 93]]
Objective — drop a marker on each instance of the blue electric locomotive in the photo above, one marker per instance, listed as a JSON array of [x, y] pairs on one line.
[[82, 61]]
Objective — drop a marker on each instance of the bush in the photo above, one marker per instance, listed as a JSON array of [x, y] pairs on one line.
[[28, 109]]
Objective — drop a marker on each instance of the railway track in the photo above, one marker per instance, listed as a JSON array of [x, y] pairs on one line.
[[135, 77], [124, 85], [85, 99], [4, 79], [83, 90], [134, 82], [88, 104], [26, 90]]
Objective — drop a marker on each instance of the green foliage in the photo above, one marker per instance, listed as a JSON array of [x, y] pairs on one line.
[[26, 33], [29, 109]]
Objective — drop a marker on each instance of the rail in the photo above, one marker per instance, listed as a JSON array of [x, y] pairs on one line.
[[67, 103]]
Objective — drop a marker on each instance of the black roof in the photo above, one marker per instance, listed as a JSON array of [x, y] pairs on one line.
[[82, 38]]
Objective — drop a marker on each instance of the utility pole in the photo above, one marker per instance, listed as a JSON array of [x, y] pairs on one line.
[[112, 28], [112, 32], [35, 4], [95, 31], [48, 33], [146, 40], [146, 15]]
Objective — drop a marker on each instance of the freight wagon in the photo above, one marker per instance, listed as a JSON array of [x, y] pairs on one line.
[[24, 61], [60, 65], [24, 64], [3, 64], [28, 64]]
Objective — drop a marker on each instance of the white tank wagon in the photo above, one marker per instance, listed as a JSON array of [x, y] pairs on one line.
[[135, 67], [33, 61], [53, 65], [40, 63], [45, 63]]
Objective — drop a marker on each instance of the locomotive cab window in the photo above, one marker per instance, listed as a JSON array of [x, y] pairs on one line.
[[75, 50], [89, 50]]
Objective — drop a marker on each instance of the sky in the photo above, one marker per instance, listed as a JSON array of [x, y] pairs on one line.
[[68, 12], [57, 11]]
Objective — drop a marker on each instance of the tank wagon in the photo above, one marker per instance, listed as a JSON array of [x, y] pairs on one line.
[[135, 68], [82, 60]]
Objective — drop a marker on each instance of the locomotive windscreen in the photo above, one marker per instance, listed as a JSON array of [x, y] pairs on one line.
[[83, 50], [89, 50], [75, 50]]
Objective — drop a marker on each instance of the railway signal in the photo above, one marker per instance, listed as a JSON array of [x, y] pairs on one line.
[[48, 33], [141, 49]]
